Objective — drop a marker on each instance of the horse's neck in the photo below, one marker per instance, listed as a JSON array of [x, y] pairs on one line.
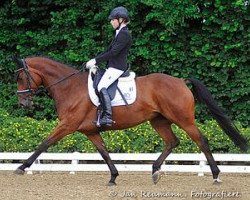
[[60, 83], [54, 73]]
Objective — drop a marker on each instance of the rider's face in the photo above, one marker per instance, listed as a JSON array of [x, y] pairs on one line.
[[114, 23]]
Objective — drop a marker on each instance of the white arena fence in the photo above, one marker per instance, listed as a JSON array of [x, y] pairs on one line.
[[76, 162]]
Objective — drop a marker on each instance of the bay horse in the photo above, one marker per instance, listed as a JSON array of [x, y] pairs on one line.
[[161, 99]]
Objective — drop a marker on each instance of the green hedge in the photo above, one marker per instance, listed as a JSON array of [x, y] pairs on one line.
[[208, 40], [44, 107], [23, 134]]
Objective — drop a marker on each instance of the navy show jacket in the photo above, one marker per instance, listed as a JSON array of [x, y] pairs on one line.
[[117, 52]]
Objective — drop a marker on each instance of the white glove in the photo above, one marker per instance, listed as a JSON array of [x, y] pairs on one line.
[[90, 63]]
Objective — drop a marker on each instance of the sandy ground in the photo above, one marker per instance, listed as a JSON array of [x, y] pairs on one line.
[[130, 186]]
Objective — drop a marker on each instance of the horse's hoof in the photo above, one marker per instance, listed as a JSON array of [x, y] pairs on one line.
[[19, 171], [217, 181], [157, 176], [111, 184]]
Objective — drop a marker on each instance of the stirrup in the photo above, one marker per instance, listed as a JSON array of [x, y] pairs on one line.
[[108, 122], [103, 121]]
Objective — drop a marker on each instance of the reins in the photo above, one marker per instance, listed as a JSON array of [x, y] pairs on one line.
[[63, 79]]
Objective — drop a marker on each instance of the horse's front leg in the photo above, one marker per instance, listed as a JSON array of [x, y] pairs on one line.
[[97, 140], [59, 132]]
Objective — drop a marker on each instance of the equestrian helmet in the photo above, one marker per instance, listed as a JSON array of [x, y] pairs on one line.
[[119, 12]]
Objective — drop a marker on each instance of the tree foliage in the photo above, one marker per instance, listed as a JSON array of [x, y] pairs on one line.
[[205, 39]]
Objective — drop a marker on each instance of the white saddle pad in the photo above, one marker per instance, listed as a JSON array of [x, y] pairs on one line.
[[127, 86]]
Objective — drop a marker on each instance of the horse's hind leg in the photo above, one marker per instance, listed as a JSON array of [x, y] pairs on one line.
[[163, 128], [97, 140], [202, 143]]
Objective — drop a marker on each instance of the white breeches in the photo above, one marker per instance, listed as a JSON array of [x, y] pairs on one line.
[[109, 77]]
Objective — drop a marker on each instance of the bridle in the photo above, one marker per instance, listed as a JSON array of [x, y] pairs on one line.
[[30, 79]]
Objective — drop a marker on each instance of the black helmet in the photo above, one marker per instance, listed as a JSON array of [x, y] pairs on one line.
[[119, 12]]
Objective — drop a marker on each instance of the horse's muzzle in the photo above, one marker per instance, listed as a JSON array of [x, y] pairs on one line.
[[26, 103]]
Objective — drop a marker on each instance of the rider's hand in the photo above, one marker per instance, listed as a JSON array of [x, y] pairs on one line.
[[90, 63]]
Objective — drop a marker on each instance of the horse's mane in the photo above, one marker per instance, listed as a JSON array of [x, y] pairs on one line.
[[67, 65]]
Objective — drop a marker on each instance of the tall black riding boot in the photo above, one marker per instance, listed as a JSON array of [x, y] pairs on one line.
[[106, 116]]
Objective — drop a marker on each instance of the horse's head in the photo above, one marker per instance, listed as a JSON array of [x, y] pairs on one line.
[[28, 81]]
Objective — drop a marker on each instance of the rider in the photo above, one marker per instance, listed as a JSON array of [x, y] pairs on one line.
[[116, 58]]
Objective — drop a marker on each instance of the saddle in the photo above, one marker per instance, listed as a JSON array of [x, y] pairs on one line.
[[121, 92], [112, 88]]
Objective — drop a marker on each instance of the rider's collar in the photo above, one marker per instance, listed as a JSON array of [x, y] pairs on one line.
[[118, 30]]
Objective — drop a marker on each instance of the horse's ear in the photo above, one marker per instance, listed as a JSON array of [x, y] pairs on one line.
[[18, 61]]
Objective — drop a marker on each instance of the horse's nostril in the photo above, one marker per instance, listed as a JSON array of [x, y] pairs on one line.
[[20, 104]]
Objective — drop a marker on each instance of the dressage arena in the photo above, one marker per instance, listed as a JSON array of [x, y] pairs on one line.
[[130, 185]]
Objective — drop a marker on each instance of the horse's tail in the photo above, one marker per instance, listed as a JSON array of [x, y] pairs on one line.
[[203, 95]]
